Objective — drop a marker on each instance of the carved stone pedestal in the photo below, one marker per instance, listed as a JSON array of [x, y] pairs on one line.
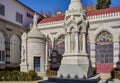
[[75, 67]]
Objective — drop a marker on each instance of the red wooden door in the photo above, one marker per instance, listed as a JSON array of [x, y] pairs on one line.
[[104, 67], [104, 57]]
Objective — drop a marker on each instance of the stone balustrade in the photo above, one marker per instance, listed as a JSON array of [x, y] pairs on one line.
[[51, 23], [104, 16]]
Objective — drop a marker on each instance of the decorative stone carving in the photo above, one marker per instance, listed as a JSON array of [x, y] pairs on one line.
[[76, 62], [104, 36]]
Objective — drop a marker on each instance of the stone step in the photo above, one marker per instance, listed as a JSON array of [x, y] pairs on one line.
[[63, 80]]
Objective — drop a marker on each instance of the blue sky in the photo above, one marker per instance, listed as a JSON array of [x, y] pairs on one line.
[[53, 5]]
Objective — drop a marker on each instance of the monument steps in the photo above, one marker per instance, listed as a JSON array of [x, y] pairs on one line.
[[68, 80]]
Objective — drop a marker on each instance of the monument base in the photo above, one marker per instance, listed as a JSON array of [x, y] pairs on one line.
[[75, 67], [63, 80], [74, 71]]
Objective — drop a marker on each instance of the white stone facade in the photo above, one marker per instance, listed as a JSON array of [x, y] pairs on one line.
[[12, 7], [32, 47], [11, 31], [108, 22]]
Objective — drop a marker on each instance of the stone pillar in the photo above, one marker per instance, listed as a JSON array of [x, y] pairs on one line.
[[76, 42], [52, 41], [46, 63], [66, 46], [80, 43], [69, 42], [84, 43], [92, 53], [116, 53]]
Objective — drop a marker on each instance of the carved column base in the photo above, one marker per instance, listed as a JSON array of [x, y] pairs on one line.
[[76, 66]]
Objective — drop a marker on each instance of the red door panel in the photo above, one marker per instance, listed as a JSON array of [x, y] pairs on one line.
[[104, 57], [104, 67]]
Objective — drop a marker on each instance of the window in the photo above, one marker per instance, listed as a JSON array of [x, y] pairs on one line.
[[2, 10], [104, 48], [29, 15], [14, 49], [2, 58], [19, 17], [2, 47]]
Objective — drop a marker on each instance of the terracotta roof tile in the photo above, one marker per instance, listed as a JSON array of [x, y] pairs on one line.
[[103, 11], [89, 13], [52, 19]]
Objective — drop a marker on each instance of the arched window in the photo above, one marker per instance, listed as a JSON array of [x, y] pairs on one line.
[[2, 47], [104, 52], [15, 49]]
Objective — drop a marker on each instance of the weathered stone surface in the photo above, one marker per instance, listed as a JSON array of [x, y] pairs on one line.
[[34, 44], [76, 62]]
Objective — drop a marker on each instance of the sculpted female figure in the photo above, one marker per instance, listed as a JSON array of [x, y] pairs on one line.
[[35, 19]]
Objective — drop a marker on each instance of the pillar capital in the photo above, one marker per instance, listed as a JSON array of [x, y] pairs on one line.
[[76, 31], [68, 32]]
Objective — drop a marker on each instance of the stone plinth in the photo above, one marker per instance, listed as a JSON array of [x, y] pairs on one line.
[[62, 80], [75, 66]]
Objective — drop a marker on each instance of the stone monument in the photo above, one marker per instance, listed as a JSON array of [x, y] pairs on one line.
[[76, 62], [33, 50], [76, 65]]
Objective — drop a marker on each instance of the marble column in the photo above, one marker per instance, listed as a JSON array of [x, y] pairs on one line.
[[69, 42], [76, 42], [92, 53], [84, 43], [116, 53], [66, 46], [80, 43], [46, 63]]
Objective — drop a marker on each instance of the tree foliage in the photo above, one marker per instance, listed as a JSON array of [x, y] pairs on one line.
[[102, 4]]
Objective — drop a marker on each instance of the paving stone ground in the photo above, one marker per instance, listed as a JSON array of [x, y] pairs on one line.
[[101, 81], [18, 81]]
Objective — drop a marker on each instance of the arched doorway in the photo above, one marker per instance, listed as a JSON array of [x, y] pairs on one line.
[[57, 52], [60, 44], [2, 47], [15, 49], [104, 52]]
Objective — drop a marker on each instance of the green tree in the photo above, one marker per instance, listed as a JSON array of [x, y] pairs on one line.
[[102, 4]]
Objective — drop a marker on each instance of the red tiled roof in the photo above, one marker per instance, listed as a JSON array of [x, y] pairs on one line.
[[103, 11], [53, 19], [89, 13]]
